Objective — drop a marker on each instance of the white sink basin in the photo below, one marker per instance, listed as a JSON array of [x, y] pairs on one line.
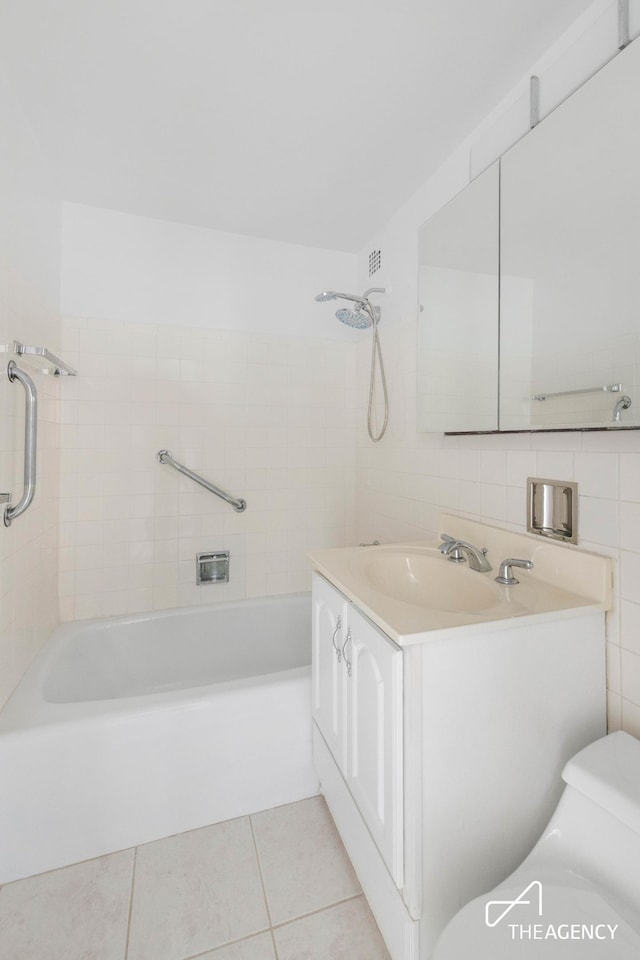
[[411, 590], [425, 578]]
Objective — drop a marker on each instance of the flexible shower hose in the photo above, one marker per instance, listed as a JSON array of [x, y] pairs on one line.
[[376, 350]]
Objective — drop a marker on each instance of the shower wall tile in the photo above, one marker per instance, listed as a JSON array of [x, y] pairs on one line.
[[268, 418], [29, 312]]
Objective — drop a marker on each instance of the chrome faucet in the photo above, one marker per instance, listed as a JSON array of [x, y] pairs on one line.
[[459, 550], [506, 574], [623, 404]]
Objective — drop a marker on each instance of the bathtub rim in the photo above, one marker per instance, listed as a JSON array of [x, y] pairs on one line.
[[27, 709]]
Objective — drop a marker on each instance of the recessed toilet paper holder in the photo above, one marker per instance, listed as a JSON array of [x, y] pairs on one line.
[[552, 509]]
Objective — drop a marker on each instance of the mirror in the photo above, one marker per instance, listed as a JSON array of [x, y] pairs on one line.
[[570, 261], [568, 335], [458, 312]]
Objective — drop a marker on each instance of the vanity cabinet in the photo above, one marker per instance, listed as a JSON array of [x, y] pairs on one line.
[[357, 706], [440, 754]]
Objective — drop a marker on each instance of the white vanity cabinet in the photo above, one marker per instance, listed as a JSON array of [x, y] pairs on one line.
[[357, 706], [439, 744]]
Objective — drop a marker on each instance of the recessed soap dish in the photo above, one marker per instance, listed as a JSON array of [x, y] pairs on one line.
[[212, 567], [552, 509]]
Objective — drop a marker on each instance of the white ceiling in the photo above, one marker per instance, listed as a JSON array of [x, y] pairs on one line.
[[304, 122]]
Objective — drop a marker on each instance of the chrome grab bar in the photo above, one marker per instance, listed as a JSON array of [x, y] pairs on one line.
[[164, 456], [30, 441]]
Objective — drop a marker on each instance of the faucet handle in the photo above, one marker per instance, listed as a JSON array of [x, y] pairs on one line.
[[447, 543], [506, 573]]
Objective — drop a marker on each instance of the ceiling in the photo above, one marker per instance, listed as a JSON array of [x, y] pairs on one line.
[[305, 122]]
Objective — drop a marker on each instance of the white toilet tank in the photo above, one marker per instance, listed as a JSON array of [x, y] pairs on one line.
[[577, 894]]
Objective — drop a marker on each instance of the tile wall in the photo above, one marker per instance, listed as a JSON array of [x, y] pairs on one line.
[[268, 418], [409, 478], [29, 547], [29, 284]]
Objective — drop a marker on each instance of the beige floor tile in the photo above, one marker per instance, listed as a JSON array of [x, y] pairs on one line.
[[304, 865], [344, 932], [77, 913], [196, 891], [256, 948]]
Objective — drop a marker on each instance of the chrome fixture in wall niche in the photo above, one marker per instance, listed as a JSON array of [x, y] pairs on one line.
[[552, 509], [212, 567]]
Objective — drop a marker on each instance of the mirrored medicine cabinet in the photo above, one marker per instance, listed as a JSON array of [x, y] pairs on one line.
[[529, 279]]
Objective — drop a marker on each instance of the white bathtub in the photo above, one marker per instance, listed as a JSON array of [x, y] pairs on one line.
[[129, 729]]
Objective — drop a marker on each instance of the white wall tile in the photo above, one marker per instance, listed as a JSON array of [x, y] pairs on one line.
[[598, 520], [630, 526], [630, 666], [630, 625], [555, 465], [597, 474], [144, 523], [29, 312], [521, 464], [630, 576], [630, 476]]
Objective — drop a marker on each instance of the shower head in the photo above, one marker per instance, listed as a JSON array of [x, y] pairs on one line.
[[364, 315], [333, 295], [354, 318]]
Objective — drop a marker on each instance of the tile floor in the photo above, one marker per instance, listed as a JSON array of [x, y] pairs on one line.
[[274, 886]]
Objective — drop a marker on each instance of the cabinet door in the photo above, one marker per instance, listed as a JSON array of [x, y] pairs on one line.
[[328, 673], [374, 751]]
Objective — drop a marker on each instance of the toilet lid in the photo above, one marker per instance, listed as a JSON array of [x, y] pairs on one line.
[[554, 915]]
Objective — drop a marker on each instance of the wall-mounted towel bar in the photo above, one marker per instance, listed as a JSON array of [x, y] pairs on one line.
[[30, 441], [164, 456], [609, 388]]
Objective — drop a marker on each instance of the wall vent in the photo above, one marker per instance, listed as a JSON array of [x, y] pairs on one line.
[[374, 262]]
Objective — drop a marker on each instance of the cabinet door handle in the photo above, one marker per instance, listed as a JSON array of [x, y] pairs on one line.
[[333, 639], [344, 647]]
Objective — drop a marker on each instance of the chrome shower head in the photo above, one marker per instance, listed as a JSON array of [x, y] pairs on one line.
[[325, 295], [354, 318], [334, 295], [364, 314]]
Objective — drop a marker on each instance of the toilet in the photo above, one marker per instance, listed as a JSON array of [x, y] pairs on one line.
[[577, 894]]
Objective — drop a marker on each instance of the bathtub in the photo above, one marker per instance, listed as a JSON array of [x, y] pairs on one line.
[[129, 729]]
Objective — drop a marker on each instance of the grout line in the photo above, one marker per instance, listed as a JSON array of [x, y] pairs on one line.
[[67, 866], [312, 913], [273, 942], [264, 891], [133, 880], [227, 943]]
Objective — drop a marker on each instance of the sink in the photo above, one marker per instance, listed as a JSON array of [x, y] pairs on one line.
[[426, 579], [410, 590]]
